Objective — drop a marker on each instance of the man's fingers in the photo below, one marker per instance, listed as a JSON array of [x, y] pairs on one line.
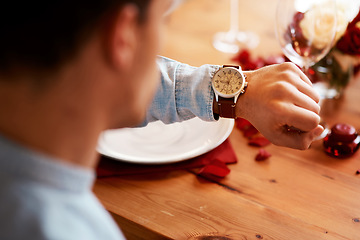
[[299, 140], [301, 85], [307, 90], [300, 118], [300, 73], [305, 102]]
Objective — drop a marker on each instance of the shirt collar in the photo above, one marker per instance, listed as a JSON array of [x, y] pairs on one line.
[[22, 162]]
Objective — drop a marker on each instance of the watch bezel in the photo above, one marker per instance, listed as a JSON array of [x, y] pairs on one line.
[[237, 93]]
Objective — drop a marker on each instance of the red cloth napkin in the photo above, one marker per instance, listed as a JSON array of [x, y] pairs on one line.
[[211, 163]]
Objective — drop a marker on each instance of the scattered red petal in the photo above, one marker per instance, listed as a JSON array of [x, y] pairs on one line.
[[242, 123], [244, 59], [242, 56], [250, 132], [259, 62], [262, 155], [246, 127], [248, 66], [215, 168], [259, 142]]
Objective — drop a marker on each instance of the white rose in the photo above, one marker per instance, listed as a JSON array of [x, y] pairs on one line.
[[343, 19], [318, 25]]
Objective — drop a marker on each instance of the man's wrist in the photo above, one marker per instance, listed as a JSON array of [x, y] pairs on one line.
[[241, 106]]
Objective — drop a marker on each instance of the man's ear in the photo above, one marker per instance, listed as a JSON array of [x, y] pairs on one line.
[[122, 39]]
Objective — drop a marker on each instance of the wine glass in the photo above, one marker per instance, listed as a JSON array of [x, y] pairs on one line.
[[232, 40], [306, 30]]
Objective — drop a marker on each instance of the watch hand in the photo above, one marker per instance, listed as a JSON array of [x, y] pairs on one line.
[[222, 81]]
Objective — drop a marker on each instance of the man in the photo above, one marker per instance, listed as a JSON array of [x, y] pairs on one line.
[[71, 69]]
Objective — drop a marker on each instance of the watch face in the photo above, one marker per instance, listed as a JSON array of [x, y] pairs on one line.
[[228, 82]]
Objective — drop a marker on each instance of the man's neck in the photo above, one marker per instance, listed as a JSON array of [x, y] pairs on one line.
[[50, 122]]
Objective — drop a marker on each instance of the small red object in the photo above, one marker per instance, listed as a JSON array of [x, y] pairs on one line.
[[242, 123], [242, 56], [216, 168], [262, 155], [357, 172], [251, 131], [246, 127], [259, 142], [342, 141]]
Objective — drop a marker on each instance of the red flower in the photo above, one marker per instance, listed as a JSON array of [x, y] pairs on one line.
[[350, 42]]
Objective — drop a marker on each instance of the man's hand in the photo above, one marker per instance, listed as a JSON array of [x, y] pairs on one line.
[[281, 103]]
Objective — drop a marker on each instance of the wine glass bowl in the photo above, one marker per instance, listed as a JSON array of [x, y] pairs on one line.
[[306, 29]]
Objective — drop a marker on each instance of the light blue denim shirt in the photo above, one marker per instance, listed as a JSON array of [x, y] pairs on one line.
[[43, 198], [184, 92]]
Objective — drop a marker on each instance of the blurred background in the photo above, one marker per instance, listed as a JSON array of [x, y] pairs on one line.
[[204, 18]]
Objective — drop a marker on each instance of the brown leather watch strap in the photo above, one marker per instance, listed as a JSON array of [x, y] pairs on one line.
[[226, 107], [233, 66]]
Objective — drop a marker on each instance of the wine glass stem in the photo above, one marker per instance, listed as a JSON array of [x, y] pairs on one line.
[[234, 16]]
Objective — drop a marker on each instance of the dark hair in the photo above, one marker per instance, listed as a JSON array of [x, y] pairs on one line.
[[44, 34]]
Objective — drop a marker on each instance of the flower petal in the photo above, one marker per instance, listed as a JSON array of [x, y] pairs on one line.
[[259, 142], [215, 168], [262, 155]]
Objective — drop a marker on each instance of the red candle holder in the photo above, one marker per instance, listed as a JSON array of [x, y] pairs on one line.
[[342, 141]]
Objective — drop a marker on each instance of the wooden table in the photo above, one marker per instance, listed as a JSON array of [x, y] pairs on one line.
[[295, 194]]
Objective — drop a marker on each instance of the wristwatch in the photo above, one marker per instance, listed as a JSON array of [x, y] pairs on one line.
[[228, 83]]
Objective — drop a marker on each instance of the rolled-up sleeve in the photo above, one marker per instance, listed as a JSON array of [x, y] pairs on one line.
[[184, 92]]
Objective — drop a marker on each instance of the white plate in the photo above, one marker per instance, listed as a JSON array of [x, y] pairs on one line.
[[158, 143]]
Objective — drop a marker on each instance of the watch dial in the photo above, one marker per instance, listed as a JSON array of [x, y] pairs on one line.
[[228, 81]]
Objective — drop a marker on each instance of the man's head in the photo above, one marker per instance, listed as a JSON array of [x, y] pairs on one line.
[[43, 34], [110, 43]]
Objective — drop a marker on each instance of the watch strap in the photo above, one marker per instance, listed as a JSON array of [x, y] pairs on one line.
[[226, 107], [233, 66]]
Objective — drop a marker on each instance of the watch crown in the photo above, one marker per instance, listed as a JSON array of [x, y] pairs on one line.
[[245, 86]]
